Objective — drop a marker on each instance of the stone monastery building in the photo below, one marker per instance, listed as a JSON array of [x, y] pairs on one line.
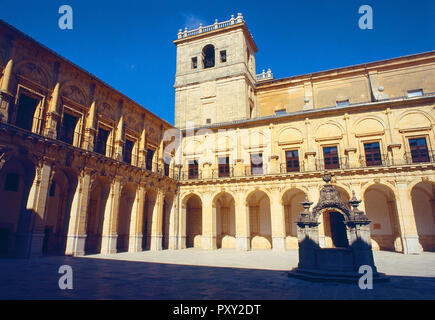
[[84, 169]]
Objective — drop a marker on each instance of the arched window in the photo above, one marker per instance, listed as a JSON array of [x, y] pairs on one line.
[[208, 56]]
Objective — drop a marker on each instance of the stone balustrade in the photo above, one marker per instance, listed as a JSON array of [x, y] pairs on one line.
[[217, 25]]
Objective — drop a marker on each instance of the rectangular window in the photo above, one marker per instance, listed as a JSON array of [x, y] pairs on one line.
[[12, 182], [193, 169], [25, 112], [223, 56], [224, 167], [415, 93], [280, 112], [102, 137], [373, 154], [330, 156], [69, 123], [419, 150], [208, 121], [149, 161], [166, 165], [292, 160], [128, 150], [194, 62], [343, 103], [256, 163]]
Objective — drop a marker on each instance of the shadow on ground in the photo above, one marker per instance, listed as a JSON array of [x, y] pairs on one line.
[[115, 279]]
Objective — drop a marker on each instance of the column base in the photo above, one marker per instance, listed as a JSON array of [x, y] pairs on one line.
[[411, 245], [182, 242], [156, 243], [36, 244], [75, 245], [135, 243], [172, 243], [278, 243], [322, 242], [243, 243], [208, 242], [108, 244]]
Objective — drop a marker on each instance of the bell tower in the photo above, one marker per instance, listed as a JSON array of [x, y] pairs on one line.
[[215, 76]]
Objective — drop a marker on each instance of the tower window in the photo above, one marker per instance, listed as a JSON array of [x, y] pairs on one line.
[[208, 56], [280, 112], [194, 62], [223, 56], [343, 103]]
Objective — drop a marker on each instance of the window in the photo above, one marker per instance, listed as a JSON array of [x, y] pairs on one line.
[[194, 62], [343, 103], [330, 156], [149, 160], [52, 189], [102, 137], [208, 56], [280, 112], [373, 154], [257, 163], [292, 160], [415, 93], [69, 123], [193, 169], [224, 167], [26, 111], [419, 151], [128, 150], [223, 56], [208, 121], [12, 182], [166, 165]]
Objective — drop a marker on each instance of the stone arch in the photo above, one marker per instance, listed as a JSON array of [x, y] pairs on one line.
[[380, 207], [329, 129], [149, 205], [191, 222], [290, 135], [224, 204], [168, 219], [208, 56], [423, 205], [369, 124], [74, 92], [291, 200], [98, 199], [61, 192], [126, 203], [260, 220], [16, 177], [414, 119]]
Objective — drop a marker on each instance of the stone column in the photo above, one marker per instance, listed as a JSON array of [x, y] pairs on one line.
[[173, 225], [37, 203], [90, 130], [136, 221], [119, 140], [110, 223], [156, 224], [182, 226], [53, 114], [6, 98], [274, 155], [243, 241], [76, 238], [209, 230], [408, 228], [278, 222]]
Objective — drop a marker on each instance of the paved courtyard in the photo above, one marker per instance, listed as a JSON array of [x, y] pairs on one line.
[[196, 274]]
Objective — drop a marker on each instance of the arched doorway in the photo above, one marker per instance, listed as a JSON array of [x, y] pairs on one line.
[[126, 201], [224, 205], [259, 220], [332, 229], [193, 221], [380, 207], [60, 195], [208, 56], [16, 178], [167, 219], [150, 202], [291, 201], [96, 208], [423, 204]]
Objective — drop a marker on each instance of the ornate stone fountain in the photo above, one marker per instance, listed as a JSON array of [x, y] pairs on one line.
[[334, 264]]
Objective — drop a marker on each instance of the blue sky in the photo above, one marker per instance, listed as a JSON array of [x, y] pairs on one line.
[[128, 44]]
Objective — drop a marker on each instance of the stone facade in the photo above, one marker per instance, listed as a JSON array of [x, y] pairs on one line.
[[92, 171]]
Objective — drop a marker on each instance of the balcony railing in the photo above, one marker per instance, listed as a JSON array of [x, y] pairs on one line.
[[216, 25]]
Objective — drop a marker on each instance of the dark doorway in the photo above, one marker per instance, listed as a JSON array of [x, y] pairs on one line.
[[338, 230], [4, 240], [25, 112]]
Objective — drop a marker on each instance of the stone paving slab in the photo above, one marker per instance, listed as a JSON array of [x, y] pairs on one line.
[[217, 275]]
